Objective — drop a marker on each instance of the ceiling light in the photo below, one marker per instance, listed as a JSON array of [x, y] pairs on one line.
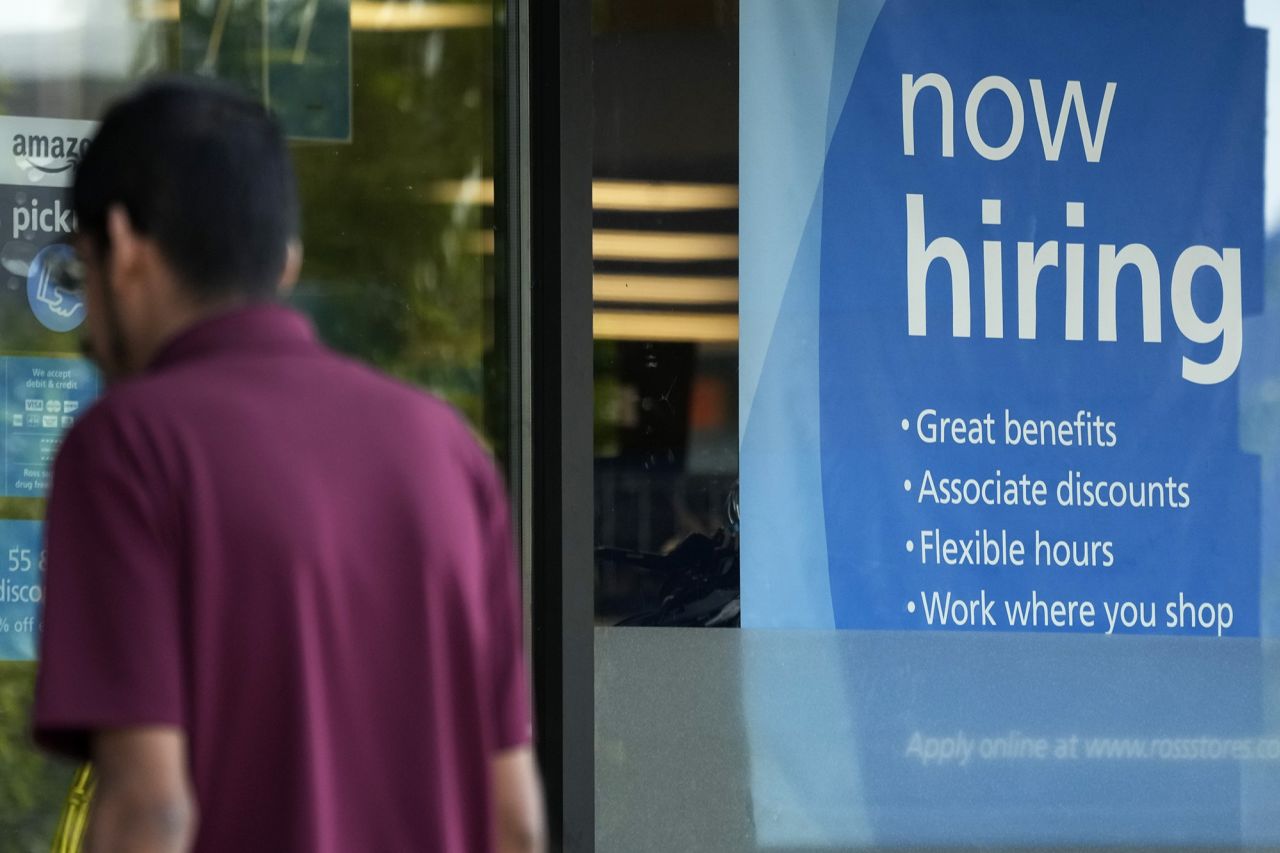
[[641, 196], [663, 246], [668, 246], [649, 289], [661, 196], [366, 14], [653, 326], [468, 191], [156, 10]]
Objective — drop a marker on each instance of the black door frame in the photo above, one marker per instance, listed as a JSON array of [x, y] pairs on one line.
[[560, 504]]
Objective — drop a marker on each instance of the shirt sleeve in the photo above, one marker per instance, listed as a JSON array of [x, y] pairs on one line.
[[511, 720], [111, 642]]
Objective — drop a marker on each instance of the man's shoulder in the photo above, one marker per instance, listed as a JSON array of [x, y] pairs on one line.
[[434, 422], [184, 396], [120, 412], [174, 387], [397, 397]]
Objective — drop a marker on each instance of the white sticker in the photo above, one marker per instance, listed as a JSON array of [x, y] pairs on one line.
[[42, 151]]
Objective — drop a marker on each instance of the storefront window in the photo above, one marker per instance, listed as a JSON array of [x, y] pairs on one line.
[[391, 108], [991, 292]]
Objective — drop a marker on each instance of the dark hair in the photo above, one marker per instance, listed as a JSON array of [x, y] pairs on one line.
[[204, 172]]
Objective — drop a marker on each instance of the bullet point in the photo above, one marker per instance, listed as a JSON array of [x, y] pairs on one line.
[[906, 484], [911, 545], [911, 607], [906, 424]]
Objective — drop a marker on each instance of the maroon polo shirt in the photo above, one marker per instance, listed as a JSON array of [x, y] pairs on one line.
[[307, 567]]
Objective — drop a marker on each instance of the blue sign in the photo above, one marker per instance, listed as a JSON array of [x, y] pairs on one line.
[[55, 307], [22, 560], [1001, 386], [43, 397]]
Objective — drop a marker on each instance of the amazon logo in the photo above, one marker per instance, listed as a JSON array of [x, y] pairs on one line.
[[52, 155]]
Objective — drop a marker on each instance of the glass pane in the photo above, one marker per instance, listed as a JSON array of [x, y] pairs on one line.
[[392, 110], [947, 209], [666, 293]]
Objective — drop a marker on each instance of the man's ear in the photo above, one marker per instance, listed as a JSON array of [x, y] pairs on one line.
[[292, 268], [125, 244]]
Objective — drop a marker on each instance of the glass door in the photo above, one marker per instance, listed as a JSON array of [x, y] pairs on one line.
[[391, 108]]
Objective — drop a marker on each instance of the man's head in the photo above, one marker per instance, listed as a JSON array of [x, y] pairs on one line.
[[185, 204]]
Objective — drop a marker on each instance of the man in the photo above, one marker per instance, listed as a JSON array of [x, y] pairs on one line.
[[281, 608]]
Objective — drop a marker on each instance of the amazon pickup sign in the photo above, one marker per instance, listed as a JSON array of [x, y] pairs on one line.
[[38, 158]]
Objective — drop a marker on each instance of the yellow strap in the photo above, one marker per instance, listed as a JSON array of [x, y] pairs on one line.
[[69, 836]]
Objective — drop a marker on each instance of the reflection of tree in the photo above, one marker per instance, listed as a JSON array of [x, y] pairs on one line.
[[390, 278], [390, 275], [31, 788]]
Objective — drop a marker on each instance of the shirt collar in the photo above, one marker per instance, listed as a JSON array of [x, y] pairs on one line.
[[257, 328]]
